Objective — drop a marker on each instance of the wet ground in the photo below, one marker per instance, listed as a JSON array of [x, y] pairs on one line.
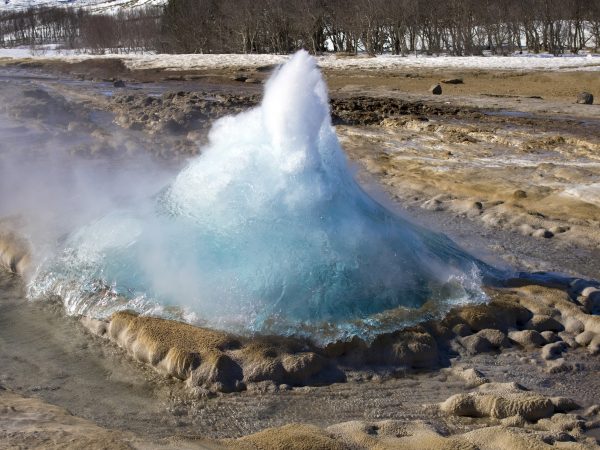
[[46, 355]]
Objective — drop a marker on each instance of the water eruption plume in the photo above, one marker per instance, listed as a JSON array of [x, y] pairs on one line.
[[265, 231]]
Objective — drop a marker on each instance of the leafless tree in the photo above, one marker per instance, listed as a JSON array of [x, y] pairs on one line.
[[456, 27]]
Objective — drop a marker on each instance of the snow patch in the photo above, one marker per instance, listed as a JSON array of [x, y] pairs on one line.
[[525, 62]]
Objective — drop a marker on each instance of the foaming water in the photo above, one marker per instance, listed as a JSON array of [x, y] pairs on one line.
[[266, 231]]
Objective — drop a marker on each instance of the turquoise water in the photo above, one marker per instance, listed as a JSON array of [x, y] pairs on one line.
[[265, 231]]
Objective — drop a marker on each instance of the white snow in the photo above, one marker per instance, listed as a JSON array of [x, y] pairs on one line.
[[17, 53], [385, 62], [515, 62], [107, 6], [45, 51], [589, 193]]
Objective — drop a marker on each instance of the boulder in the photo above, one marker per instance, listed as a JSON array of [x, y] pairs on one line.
[[498, 314], [542, 322], [436, 89], [471, 376], [219, 373], [300, 367], [527, 338], [453, 81], [485, 340], [495, 337], [550, 336], [554, 350], [585, 98], [542, 233], [585, 338], [567, 338], [14, 252], [409, 348], [564, 404], [573, 325], [513, 421], [530, 406], [476, 344], [119, 84], [594, 347]]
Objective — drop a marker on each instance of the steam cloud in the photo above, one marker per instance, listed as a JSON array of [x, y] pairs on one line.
[[265, 231]]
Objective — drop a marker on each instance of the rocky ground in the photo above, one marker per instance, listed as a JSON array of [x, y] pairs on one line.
[[510, 177], [522, 370]]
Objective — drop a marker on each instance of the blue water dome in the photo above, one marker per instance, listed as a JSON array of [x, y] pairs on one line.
[[267, 232]]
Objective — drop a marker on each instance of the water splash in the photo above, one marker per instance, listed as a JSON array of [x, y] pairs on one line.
[[266, 231]]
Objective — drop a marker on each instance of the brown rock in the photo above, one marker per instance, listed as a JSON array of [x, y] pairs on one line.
[[453, 81], [594, 346], [567, 338], [585, 98], [564, 404], [498, 314], [573, 325], [542, 233], [220, 373], [476, 344], [461, 330], [14, 251], [585, 338], [263, 369], [499, 405], [527, 338], [411, 348], [495, 337], [436, 89], [471, 376], [550, 336], [300, 367], [541, 322], [554, 350]]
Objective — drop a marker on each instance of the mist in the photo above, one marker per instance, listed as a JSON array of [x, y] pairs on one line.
[[266, 231], [47, 190]]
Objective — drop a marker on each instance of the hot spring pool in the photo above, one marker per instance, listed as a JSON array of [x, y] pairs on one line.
[[265, 232]]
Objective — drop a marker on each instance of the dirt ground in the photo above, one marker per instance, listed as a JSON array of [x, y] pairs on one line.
[[552, 86]]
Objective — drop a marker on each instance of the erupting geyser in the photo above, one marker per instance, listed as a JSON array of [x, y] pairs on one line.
[[266, 231]]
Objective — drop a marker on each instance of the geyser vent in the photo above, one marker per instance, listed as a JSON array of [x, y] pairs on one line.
[[266, 231]]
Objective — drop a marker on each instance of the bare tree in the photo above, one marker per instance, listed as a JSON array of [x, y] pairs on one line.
[[456, 27]]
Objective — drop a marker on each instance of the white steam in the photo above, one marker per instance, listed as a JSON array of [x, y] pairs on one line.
[[266, 231]]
